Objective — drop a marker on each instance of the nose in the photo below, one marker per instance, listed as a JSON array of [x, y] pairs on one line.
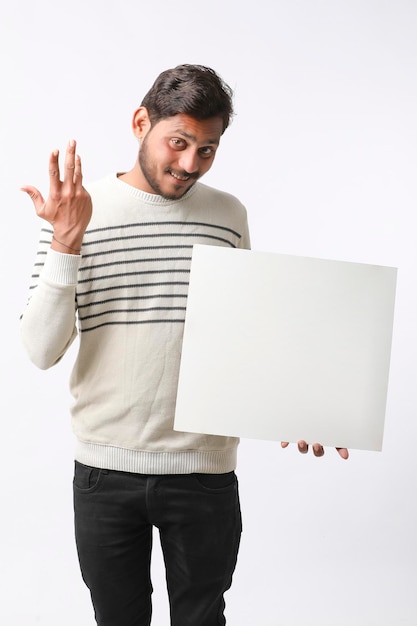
[[189, 161]]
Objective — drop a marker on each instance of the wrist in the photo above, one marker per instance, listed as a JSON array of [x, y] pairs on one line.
[[68, 248]]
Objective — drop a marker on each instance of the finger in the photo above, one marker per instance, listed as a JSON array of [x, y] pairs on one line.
[[284, 444], [318, 449], [69, 164], [78, 175], [303, 447], [343, 452], [54, 182], [35, 195]]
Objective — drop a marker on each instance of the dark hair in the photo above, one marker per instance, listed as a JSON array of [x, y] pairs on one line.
[[193, 90]]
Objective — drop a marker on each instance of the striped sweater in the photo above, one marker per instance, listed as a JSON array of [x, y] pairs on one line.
[[125, 298]]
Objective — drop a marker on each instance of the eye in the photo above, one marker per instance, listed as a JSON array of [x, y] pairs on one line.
[[207, 151], [177, 143]]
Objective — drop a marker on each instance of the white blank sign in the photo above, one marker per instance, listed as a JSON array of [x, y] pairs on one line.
[[286, 348]]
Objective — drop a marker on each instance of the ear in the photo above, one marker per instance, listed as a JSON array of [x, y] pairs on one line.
[[141, 123]]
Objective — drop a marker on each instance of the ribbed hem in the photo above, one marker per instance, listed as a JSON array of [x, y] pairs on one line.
[[142, 462]]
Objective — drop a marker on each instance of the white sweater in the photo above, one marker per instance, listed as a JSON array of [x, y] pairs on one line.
[[125, 297]]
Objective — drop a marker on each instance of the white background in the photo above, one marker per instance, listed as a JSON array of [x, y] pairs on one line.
[[323, 154]]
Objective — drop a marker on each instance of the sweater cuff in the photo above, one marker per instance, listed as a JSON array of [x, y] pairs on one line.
[[61, 268]]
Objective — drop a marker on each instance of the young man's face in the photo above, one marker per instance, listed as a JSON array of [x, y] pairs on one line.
[[177, 151]]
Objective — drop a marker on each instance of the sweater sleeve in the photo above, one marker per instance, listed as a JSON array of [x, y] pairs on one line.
[[48, 324], [244, 242]]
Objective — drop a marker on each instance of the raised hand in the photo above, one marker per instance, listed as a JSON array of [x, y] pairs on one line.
[[68, 207]]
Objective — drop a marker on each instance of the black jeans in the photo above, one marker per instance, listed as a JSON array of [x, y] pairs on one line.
[[199, 521]]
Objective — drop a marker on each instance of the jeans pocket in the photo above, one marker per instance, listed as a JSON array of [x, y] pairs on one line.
[[216, 482], [86, 478]]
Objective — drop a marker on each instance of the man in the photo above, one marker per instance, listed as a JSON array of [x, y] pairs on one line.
[[116, 258]]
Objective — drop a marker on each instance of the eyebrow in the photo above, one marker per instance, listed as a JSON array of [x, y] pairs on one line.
[[183, 133]]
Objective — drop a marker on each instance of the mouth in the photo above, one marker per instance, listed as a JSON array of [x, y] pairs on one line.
[[182, 177]]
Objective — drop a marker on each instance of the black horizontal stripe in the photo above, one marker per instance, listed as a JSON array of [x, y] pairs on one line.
[[133, 286], [141, 273], [128, 298], [168, 321], [146, 310], [157, 236], [149, 236], [138, 249], [135, 260], [146, 224], [168, 223]]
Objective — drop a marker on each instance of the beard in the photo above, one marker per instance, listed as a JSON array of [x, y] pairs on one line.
[[149, 171]]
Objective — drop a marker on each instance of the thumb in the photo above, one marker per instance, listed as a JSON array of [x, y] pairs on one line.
[[35, 195]]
